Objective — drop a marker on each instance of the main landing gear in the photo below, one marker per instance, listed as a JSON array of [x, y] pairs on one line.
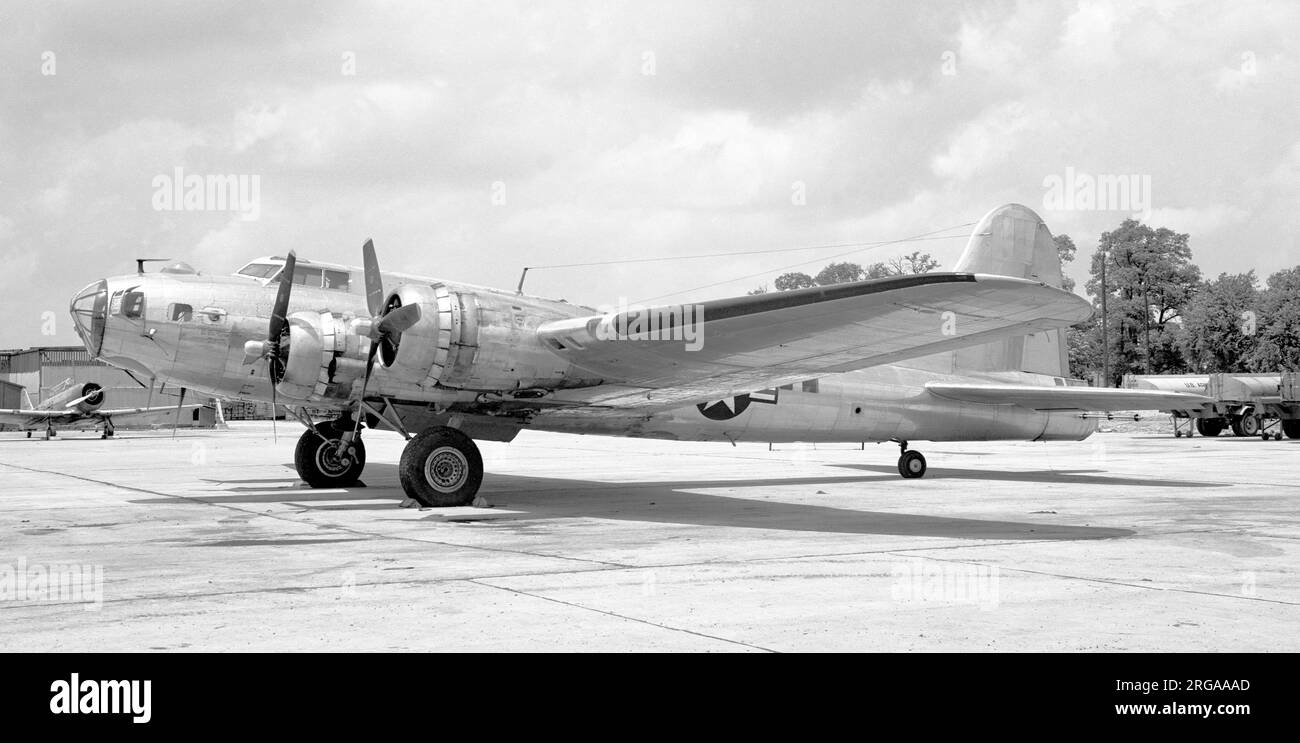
[[440, 466], [911, 464], [108, 430], [324, 459]]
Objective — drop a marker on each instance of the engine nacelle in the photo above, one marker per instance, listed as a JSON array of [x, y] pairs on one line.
[[91, 398], [324, 357], [471, 340]]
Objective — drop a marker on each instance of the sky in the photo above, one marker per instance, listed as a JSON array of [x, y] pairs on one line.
[[472, 139]]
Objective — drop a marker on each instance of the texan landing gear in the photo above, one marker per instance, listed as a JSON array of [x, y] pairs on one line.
[[911, 464], [324, 460], [108, 430], [441, 467]]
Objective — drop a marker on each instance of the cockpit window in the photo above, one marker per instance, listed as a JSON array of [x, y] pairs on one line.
[[259, 270], [133, 304]]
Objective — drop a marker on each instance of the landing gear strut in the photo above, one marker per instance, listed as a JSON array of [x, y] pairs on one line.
[[324, 460], [108, 430], [911, 464], [441, 467]]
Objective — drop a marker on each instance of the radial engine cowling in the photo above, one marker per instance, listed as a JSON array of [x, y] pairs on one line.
[[91, 398], [475, 340], [322, 358]]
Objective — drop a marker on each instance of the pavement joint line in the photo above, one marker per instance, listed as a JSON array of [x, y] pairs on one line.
[[1125, 584], [336, 527], [624, 617]]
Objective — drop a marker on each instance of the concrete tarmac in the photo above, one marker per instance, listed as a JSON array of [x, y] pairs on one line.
[[209, 542]]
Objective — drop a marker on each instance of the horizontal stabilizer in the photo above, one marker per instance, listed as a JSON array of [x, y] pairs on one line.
[[1067, 398]]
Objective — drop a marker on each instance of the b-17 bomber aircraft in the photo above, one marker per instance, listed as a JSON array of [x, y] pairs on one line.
[[975, 354], [69, 403]]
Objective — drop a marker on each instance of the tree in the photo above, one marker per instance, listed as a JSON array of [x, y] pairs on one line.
[[1218, 334], [839, 273], [1150, 277], [916, 262], [1278, 343], [787, 281], [1065, 250]]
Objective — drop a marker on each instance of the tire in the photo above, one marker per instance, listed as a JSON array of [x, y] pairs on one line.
[[911, 465], [318, 462], [1209, 426], [1291, 428], [1249, 425], [441, 467]]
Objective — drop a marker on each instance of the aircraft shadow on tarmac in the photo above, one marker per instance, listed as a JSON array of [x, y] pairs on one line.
[[1067, 477], [539, 498]]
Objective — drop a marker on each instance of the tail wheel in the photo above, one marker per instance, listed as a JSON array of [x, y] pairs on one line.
[[441, 467], [327, 463]]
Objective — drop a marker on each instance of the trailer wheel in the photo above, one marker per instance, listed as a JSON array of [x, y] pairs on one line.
[[1209, 426]]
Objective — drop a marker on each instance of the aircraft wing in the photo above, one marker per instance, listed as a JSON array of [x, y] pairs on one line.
[[1068, 398], [25, 416], [127, 413], [759, 341]]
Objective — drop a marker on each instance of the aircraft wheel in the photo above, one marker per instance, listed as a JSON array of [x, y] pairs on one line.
[[29, 434], [1291, 428], [1209, 426], [441, 467], [324, 463], [911, 465]]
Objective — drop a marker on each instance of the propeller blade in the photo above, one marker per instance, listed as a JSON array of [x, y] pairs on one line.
[[177, 420], [399, 320], [280, 313], [374, 281], [365, 382], [275, 435]]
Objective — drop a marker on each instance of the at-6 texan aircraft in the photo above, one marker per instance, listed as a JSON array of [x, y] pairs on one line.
[[976, 354], [69, 404]]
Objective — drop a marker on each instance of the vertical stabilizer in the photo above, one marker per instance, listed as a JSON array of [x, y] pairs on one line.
[[1013, 241]]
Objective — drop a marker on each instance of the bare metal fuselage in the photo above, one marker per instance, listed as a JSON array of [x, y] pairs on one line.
[[201, 347]]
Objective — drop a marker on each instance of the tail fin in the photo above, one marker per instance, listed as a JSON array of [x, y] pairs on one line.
[[1013, 241]]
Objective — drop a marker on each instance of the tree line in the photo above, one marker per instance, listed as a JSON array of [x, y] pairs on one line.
[[1161, 316]]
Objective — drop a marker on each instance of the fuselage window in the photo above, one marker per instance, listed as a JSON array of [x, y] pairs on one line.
[[307, 276], [337, 280], [180, 312], [810, 385], [133, 304]]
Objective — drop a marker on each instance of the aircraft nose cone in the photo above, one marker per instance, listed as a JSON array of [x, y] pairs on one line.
[[89, 309]]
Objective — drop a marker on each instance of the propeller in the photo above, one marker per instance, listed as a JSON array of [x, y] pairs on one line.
[[387, 320], [271, 347]]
